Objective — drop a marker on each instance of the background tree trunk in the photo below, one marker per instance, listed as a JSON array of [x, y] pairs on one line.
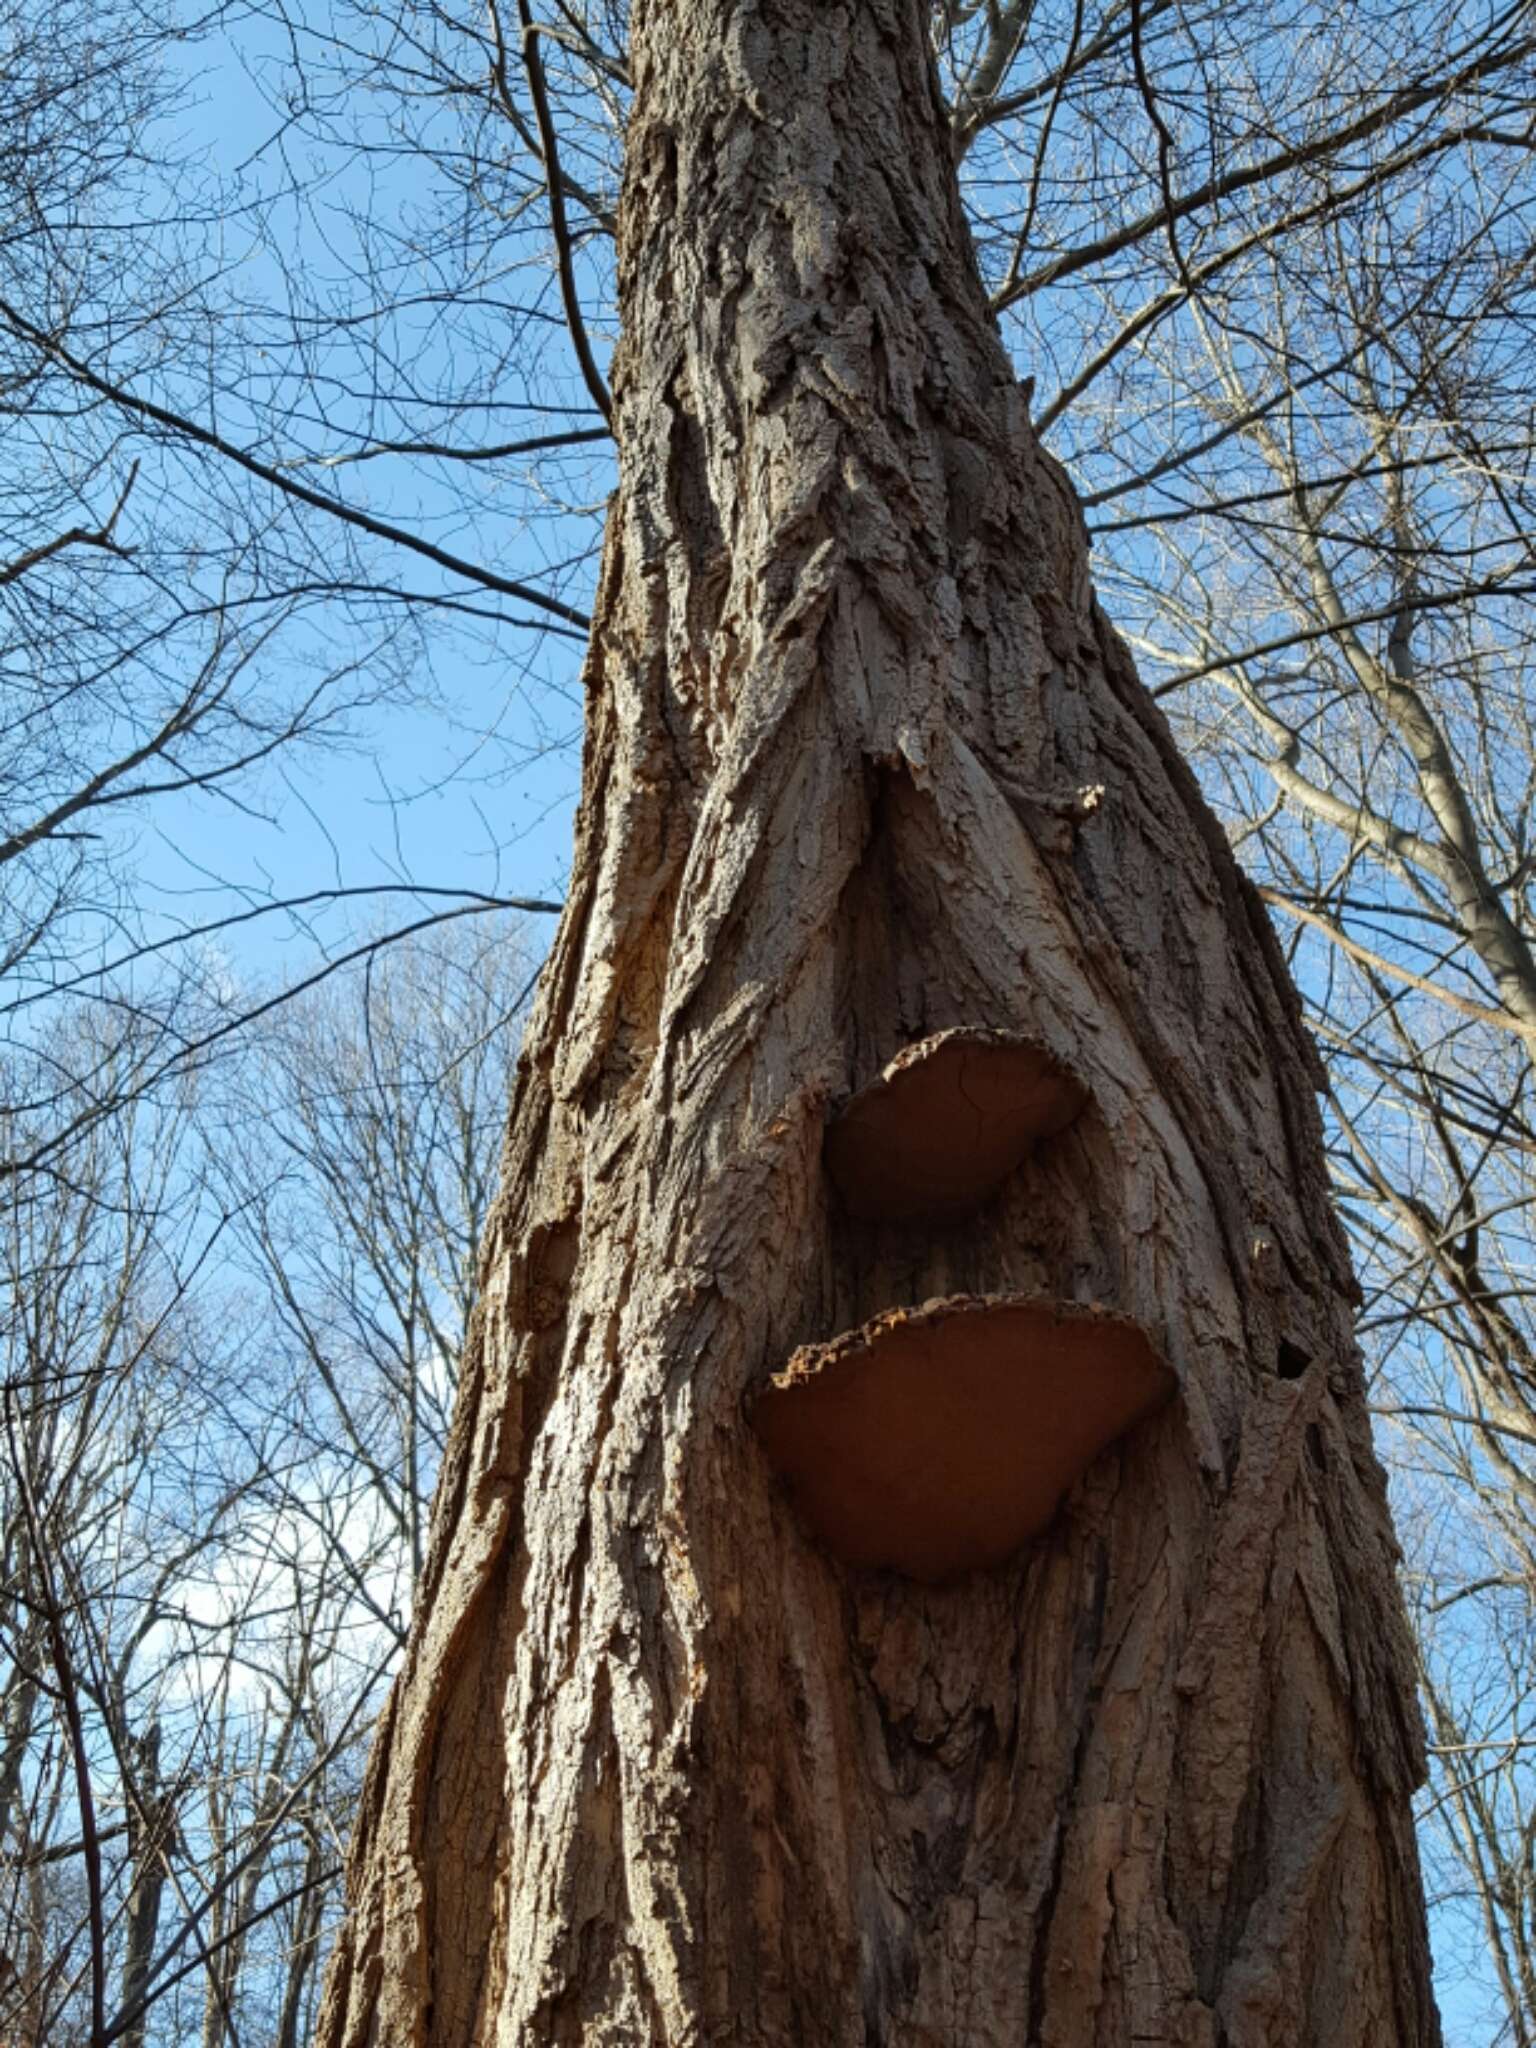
[[864, 762]]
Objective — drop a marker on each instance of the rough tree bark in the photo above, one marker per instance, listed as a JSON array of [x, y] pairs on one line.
[[865, 762]]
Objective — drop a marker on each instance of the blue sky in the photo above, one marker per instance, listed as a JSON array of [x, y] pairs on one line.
[[471, 786], [474, 792]]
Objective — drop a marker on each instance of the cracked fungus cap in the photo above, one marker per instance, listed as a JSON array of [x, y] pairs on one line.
[[947, 1122], [937, 1440]]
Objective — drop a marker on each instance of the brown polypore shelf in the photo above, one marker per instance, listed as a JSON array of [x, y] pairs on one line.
[[947, 1122], [936, 1440]]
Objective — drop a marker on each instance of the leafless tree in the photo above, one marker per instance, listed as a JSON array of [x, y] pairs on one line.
[[361, 1138], [232, 1338], [1330, 591], [1268, 279], [852, 710]]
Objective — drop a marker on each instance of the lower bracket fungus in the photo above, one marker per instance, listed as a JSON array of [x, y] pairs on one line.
[[947, 1122], [937, 1440]]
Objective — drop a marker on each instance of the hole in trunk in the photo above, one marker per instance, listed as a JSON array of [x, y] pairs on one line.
[[1293, 1361]]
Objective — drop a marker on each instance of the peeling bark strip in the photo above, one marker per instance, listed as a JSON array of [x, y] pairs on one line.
[[865, 764]]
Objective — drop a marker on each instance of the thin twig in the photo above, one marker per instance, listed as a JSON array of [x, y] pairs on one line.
[[101, 537], [204, 437], [1165, 149], [549, 156], [1492, 586], [1482, 1013], [63, 1664]]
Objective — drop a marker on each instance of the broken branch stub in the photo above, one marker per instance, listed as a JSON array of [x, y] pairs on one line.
[[938, 1440], [947, 1122]]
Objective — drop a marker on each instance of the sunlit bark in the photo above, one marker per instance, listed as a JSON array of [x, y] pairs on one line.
[[865, 763]]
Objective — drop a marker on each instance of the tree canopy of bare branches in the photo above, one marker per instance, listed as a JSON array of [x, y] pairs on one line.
[[294, 426]]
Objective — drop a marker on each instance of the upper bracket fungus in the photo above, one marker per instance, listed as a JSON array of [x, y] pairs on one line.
[[947, 1122], [937, 1440]]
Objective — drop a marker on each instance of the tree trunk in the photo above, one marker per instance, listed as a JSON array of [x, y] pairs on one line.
[[864, 764], [151, 1830]]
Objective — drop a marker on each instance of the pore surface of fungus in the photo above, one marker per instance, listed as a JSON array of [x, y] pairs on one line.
[[937, 1440], [947, 1122]]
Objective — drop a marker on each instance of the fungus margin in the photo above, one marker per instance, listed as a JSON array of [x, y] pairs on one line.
[[946, 1122], [937, 1440]]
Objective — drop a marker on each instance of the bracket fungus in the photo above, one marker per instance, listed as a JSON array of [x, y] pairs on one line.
[[937, 1440], [946, 1123]]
